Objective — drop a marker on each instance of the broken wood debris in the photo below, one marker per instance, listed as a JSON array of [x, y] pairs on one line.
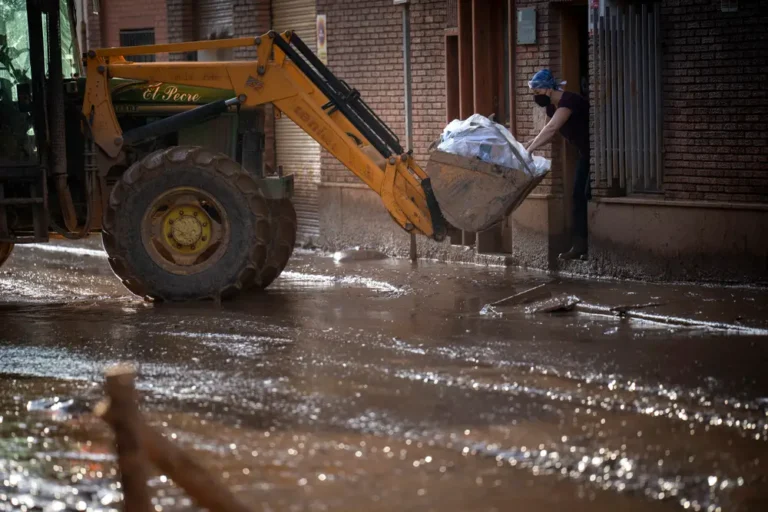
[[136, 441], [561, 303], [126, 423], [623, 310], [529, 295]]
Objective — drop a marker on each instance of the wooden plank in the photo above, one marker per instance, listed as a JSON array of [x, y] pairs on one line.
[[496, 24], [137, 444], [482, 58], [452, 103], [466, 83], [126, 423], [512, 21], [529, 295]]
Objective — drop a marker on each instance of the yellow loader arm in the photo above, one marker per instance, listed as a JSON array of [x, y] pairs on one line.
[[301, 87]]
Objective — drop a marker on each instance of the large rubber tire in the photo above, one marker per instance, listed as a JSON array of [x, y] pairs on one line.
[[5, 251], [283, 241], [250, 231]]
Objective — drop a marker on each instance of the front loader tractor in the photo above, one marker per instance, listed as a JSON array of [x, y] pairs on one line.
[[170, 173], [164, 159]]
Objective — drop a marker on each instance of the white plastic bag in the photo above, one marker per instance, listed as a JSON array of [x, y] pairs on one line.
[[479, 137]]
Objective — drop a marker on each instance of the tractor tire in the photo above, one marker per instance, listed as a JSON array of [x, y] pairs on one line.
[[187, 224], [283, 241], [5, 250]]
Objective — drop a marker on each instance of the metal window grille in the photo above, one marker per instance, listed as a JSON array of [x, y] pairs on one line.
[[138, 37], [628, 118]]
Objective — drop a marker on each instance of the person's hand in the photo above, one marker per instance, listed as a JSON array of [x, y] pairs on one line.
[[529, 157]]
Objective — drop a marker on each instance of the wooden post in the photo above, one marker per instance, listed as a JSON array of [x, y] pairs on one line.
[[466, 83], [483, 62], [134, 468], [452, 98], [208, 491]]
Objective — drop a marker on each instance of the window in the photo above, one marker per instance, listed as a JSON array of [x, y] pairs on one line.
[[628, 114], [138, 37]]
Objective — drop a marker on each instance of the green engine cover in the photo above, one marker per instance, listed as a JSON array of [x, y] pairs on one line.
[[136, 96]]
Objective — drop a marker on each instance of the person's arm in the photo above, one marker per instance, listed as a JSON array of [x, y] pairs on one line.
[[558, 120]]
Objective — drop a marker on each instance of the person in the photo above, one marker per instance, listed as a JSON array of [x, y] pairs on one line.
[[569, 114]]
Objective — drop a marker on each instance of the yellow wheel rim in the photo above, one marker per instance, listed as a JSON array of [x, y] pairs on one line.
[[185, 230], [188, 229]]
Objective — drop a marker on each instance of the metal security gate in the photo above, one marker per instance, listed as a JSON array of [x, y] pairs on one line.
[[628, 114], [297, 152]]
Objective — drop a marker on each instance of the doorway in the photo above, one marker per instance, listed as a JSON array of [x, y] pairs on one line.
[[574, 65], [478, 67]]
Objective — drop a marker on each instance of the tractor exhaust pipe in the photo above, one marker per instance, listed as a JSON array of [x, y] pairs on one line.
[[57, 130]]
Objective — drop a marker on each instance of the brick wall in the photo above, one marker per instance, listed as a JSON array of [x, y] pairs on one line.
[[253, 19], [94, 29], [190, 20], [365, 48], [214, 17], [137, 14], [715, 69], [182, 24], [530, 59]]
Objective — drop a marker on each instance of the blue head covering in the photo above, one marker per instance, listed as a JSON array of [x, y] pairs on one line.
[[544, 80]]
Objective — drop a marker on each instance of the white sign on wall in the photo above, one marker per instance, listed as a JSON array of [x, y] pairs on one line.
[[322, 39]]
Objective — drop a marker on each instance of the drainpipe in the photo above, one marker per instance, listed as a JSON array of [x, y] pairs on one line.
[[407, 87], [407, 71]]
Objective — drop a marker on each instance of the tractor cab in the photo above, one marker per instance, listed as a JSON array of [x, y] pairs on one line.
[[38, 58]]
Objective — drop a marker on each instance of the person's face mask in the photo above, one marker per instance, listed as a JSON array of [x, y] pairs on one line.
[[542, 100]]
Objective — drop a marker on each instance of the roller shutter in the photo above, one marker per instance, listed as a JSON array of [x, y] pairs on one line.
[[296, 151]]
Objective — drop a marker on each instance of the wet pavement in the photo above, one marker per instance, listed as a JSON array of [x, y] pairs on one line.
[[378, 385]]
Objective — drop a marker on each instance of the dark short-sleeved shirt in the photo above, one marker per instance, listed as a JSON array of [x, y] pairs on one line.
[[576, 128]]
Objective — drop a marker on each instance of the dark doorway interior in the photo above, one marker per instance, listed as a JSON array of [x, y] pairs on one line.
[[574, 51]]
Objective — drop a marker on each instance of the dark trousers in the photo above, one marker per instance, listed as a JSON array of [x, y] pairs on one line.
[[582, 193]]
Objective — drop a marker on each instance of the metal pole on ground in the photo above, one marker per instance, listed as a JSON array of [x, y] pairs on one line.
[[407, 87]]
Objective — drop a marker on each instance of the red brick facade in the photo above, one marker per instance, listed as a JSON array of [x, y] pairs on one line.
[[715, 146], [138, 14], [214, 19], [529, 59], [714, 73], [94, 29], [189, 20], [715, 140], [182, 23], [365, 48]]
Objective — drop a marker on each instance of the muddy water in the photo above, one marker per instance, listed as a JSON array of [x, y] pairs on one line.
[[379, 386]]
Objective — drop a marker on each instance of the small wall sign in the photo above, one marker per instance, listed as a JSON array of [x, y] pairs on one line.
[[526, 25]]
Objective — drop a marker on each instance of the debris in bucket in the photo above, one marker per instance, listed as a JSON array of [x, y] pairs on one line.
[[480, 174], [479, 137], [558, 304]]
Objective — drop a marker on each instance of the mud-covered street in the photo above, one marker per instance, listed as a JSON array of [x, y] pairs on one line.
[[378, 385]]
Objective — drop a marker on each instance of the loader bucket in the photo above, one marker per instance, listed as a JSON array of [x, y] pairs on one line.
[[474, 195]]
